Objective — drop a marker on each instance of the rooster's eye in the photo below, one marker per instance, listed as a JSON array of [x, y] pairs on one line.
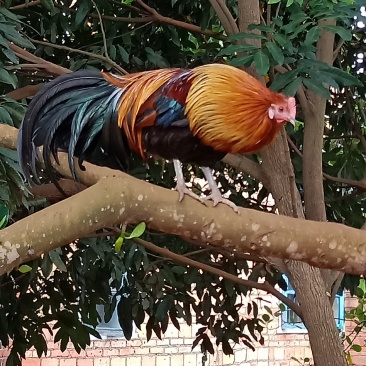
[[280, 109]]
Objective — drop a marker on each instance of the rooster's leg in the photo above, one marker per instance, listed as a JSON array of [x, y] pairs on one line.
[[181, 184], [215, 195]]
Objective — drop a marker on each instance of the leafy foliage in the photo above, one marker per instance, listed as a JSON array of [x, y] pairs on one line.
[[59, 292]]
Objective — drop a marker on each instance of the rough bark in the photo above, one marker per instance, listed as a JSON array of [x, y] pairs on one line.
[[116, 198], [307, 281]]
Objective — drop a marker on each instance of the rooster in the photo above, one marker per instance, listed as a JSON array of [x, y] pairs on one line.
[[187, 116]]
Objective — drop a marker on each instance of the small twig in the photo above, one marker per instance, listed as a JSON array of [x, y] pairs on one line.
[[106, 53], [361, 184], [294, 147], [336, 50], [92, 55], [25, 5]]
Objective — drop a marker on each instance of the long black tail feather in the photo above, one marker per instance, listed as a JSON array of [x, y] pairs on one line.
[[71, 113]]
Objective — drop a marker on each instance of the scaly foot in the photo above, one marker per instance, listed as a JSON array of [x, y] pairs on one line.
[[183, 190], [217, 198]]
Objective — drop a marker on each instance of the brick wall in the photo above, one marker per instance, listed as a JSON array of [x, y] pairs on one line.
[[175, 350], [358, 358]]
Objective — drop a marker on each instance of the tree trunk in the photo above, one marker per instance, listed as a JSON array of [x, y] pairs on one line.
[[311, 289]]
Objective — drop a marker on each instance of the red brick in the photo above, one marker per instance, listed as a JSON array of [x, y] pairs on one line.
[[118, 343], [111, 352], [68, 362], [126, 351], [31, 362], [142, 350], [57, 353], [101, 344], [85, 362], [157, 350], [49, 361], [94, 352]]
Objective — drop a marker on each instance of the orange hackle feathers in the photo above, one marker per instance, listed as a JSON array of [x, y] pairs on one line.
[[228, 109]]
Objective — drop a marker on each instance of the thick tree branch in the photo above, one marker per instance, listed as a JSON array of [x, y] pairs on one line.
[[247, 166], [24, 92], [48, 66], [8, 136], [51, 193], [122, 198], [226, 19]]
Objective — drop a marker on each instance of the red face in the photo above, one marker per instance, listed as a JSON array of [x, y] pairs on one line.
[[283, 112]]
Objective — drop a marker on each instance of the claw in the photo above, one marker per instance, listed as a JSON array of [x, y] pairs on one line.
[[216, 199], [215, 195], [181, 185], [184, 190]]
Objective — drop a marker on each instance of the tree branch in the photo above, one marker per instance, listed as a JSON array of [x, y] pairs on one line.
[[247, 166], [25, 5], [225, 17], [48, 66], [120, 198], [24, 92], [265, 286], [89, 54]]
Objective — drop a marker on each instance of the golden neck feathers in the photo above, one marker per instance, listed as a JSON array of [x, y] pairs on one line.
[[228, 109]]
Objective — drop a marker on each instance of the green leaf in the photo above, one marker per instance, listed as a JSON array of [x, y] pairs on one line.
[[275, 52], [24, 268], [316, 87], [6, 78], [273, 1], [344, 33], [57, 261], [5, 117], [356, 348], [124, 55], [119, 242], [163, 308], [124, 312], [342, 77], [284, 79], [240, 61], [13, 35], [48, 4], [261, 27], [261, 62], [282, 40], [232, 49], [244, 35], [82, 11], [137, 231], [292, 87], [312, 36], [4, 216]]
